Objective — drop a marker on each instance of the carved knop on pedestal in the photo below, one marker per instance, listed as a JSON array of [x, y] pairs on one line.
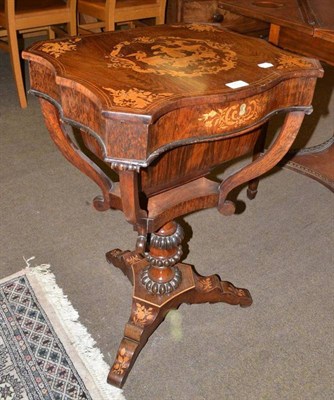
[[168, 242], [161, 288], [162, 276]]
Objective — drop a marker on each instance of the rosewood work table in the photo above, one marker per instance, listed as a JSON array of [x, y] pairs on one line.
[[162, 107]]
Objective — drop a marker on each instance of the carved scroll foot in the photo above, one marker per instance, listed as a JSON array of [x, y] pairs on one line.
[[124, 261], [212, 290]]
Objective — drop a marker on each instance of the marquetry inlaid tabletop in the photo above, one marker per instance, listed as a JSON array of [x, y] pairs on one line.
[[144, 71]]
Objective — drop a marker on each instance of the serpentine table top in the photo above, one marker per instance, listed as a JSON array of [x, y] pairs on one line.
[[134, 77]]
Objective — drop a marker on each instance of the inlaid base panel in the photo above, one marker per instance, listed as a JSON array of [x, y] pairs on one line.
[[149, 310]]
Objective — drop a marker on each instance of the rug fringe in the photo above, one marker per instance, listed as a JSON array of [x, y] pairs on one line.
[[82, 341]]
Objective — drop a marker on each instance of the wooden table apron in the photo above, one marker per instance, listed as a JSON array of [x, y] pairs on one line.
[[162, 107]]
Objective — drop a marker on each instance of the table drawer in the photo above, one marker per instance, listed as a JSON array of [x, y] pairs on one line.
[[218, 120]]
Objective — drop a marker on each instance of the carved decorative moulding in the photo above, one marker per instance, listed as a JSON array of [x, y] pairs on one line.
[[166, 261], [168, 242], [121, 166], [161, 288]]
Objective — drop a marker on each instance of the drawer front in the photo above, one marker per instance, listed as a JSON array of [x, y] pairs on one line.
[[218, 120], [234, 116], [206, 123], [185, 163]]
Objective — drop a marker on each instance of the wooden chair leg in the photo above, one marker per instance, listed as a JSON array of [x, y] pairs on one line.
[[160, 20], [72, 26], [16, 65], [109, 25], [51, 32]]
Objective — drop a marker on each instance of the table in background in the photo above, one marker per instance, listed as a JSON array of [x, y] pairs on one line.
[[208, 11], [305, 27]]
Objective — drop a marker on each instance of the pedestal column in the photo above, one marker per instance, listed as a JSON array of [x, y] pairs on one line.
[[162, 276]]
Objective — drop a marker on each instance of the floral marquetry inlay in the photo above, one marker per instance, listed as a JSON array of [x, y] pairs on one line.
[[287, 61], [133, 259], [174, 56], [56, 49], [142, 315], [205, 284], [233, 116], [135, 98], [121, 363]]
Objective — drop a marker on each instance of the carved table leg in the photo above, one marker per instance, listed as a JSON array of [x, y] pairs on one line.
[[160, 285], [60, 134], [261, 165]]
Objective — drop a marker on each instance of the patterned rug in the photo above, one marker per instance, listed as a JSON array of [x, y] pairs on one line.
[[45, 353]]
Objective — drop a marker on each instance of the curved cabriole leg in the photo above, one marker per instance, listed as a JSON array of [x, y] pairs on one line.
[[210, 289], [61, 136], [261, 165]]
